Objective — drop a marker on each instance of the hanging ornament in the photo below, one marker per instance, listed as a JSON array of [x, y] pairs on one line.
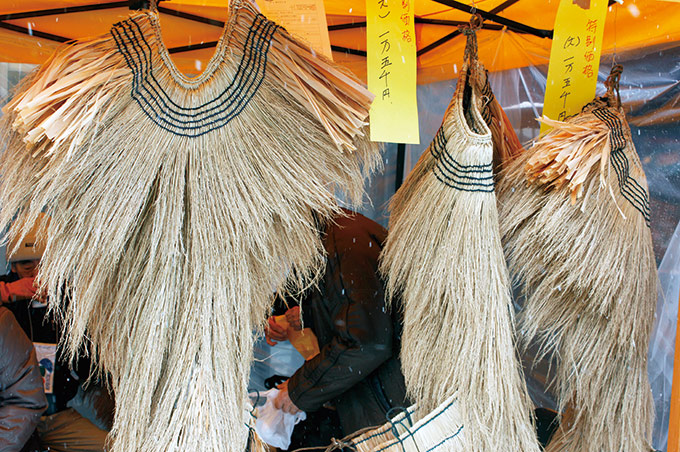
[[574, 213], [444, 258], [178, 206]]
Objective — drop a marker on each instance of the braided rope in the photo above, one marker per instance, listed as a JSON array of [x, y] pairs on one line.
[[612, 84]]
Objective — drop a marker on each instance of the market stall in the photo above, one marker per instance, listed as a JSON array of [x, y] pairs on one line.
[[513, 42]]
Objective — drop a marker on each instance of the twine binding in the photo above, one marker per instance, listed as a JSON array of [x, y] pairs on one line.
[[450, 172], [629, 187], [440, 430], [211, 115]]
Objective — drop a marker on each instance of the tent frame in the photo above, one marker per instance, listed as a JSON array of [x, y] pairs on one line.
[[492, 16], [499, 23]]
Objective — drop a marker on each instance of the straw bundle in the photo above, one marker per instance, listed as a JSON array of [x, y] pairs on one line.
[[178, 205], [370, 439], [577, 239], [440, 430], [444, 256], [255, 443]]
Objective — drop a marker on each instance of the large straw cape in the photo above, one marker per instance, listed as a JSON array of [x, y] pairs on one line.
[[443, 256], [574, 215], [178, 206]]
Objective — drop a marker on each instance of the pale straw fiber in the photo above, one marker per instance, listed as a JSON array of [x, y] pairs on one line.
[[178, 206], [574, 215], [444, 258]]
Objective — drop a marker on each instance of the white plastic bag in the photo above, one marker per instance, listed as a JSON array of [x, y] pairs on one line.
[[273, 426]]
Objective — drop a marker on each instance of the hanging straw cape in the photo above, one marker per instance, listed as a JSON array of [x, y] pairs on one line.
[[574, 215], [444, 255], [178, 206]]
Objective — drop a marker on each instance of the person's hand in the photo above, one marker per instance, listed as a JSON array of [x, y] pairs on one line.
[[293, 318], [41, 295], [22, 289], [282, 400], [275, 332]]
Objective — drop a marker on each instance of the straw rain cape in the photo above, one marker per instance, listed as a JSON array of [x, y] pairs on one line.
[[178, 206], [574, 215], [444, 256]]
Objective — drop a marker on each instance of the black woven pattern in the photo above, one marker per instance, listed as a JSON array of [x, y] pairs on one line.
[[629, 187], [471, 178], [216, 113]]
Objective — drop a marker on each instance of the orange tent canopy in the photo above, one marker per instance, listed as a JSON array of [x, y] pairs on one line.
[[29, 32]]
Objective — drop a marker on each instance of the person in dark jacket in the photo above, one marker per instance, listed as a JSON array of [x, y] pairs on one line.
[[22, 399], [357, 370], [18, 292], [77, 417]]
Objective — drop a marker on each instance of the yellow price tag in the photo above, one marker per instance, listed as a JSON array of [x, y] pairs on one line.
[[392, 70], [574, 58]]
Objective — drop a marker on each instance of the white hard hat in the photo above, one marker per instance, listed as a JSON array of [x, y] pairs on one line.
[[29, 248]]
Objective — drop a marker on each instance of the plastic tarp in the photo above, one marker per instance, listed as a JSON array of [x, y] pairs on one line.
[[662, 344]]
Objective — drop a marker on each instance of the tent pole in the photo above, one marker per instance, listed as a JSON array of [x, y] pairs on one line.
[[36, 33], [187, 48], [139, 4], [438, 42], [348, 50], [418, 20], [401, 159], [66, 10], [674, 416], [511, 24]]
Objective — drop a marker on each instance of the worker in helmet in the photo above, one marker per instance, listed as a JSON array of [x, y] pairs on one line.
[[19, 285]]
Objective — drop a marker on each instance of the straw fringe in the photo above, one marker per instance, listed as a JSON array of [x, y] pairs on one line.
[[566, 154], [444, 256], [255, 444], [506, 143], [170, 246], [588, 273]]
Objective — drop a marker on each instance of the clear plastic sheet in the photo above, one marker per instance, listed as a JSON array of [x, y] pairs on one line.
[[281, 359], [379, 188], [10, 75], [662, 343]]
